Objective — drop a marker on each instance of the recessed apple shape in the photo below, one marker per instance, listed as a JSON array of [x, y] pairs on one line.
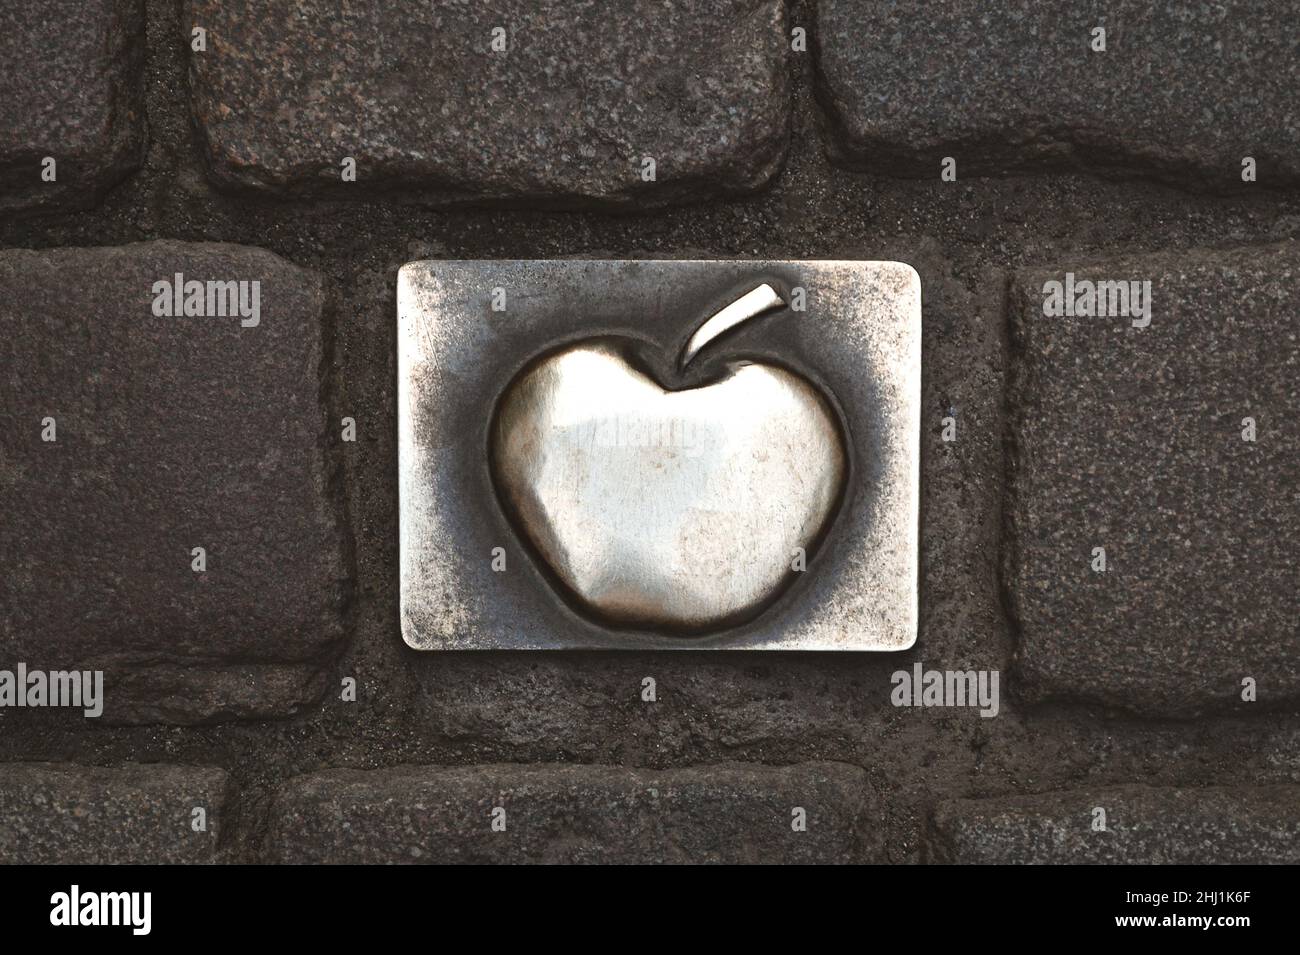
[[683, 510]]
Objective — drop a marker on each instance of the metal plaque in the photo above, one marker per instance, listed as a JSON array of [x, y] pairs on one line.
[[605, 454]]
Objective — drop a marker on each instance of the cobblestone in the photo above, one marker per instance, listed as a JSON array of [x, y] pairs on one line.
[[559, 813], [128, 440], [1183, 93], [63, 814], [567, 113], [1142, 825], [69, 91], [1133, 440]]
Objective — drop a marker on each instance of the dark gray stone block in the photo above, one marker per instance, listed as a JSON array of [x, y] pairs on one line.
[[567, 813], [565, 114], [1143, 826], [58, 813], [70, 90], [1181, 92], [171, 433], [1131, 439]]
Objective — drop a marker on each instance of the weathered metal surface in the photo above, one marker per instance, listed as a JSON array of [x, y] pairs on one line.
[[585, 463]]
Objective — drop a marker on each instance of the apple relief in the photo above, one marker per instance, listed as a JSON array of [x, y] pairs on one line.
[[685, 509]]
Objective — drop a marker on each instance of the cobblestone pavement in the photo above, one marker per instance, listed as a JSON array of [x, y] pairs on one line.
[[1110, 505]]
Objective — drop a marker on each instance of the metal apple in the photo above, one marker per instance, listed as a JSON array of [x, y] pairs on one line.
[[684, 510]]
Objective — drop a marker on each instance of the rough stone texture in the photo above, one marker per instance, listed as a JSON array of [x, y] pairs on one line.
[[727, 813], [172, 433], [70, 89], [1131, 439], [1144, 825], [413, 91], [1182, 91], [54, 813], [473, 708]]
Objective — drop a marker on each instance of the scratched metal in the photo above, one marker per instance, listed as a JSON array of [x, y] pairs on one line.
[[647, 474]]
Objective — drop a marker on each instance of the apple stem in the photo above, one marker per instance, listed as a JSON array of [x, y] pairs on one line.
[[750, 305]]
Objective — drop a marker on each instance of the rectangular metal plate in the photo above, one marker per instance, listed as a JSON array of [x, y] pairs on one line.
[[467, 329]]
